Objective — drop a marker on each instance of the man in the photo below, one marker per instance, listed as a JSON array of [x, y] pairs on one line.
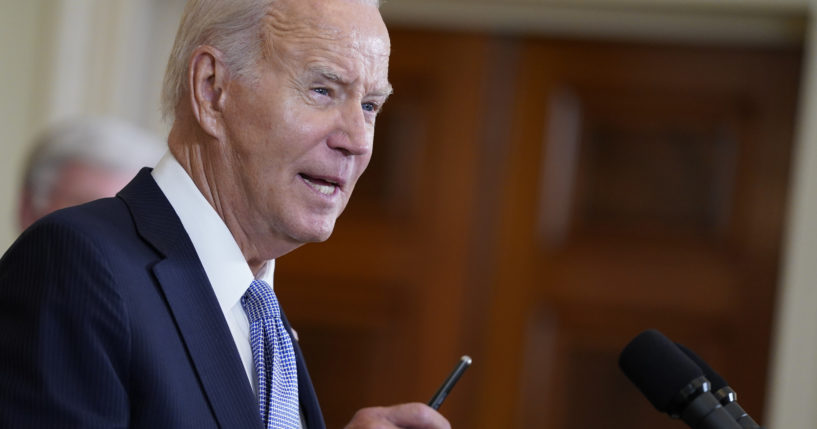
[[82, 159], [154, 308]]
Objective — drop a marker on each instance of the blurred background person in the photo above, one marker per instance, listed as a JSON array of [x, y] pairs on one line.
[[80, 160]]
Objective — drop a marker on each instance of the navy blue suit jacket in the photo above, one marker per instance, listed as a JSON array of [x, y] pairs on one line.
[[107, 319]]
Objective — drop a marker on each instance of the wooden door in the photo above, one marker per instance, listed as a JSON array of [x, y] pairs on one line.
[[536, 203], [646, 187]]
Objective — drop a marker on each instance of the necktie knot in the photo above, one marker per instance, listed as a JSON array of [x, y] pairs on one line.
[[260, 302]]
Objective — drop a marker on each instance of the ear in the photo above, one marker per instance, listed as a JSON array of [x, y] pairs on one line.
[[207, 79]]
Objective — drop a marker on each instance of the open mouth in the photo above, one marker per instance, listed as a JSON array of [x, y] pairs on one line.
[[324, 186]]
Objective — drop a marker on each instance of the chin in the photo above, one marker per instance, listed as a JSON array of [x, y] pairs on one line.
[[320, 237], [316, 232]]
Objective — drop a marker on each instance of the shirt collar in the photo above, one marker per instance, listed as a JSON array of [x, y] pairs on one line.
[[223, 262]]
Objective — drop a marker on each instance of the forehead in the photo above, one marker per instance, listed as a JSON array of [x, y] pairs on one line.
[[336, 29]]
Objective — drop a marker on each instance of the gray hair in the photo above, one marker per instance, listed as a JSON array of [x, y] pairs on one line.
[[103, 142], [231, 26]]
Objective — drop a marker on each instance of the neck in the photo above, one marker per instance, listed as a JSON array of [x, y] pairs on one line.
[[200, 156]]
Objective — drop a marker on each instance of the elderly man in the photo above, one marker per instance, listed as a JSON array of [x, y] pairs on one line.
[[81, 159], [155, 308]]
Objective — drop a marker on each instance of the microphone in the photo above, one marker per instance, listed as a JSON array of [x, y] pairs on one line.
[[727, 397], [672, 382]]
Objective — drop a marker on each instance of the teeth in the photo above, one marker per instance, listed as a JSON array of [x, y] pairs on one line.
[[324, 189]]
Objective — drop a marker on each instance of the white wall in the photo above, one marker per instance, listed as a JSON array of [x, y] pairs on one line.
[[21, 41], [63, 58], [793, 382]]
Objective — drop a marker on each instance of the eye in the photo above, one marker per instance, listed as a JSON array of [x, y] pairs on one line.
[[321, 91], [370, 107]]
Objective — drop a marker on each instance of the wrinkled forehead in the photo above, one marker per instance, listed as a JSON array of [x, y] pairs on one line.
[[304, 24]]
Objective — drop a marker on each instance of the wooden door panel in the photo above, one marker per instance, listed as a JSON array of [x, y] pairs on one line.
[[660, 206], [536, 203]]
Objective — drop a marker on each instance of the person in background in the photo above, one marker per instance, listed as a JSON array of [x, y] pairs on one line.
[[80, 160], [156, 308]]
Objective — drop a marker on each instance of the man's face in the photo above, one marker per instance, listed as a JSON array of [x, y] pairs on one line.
[[79, 183], [300, 136], [76, 183]]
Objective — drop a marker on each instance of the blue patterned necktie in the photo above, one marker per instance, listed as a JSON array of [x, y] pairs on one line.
[[274, 359]]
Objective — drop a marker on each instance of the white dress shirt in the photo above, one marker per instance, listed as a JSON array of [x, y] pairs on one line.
[[223, 262]]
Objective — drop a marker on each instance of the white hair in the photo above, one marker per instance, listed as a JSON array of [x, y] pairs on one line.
[[231, 26], [97, 141]]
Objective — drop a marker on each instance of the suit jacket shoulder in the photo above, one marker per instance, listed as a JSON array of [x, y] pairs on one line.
[[100, 326], [107, 319]]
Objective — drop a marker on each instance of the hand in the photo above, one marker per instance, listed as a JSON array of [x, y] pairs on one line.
[[403, 416]]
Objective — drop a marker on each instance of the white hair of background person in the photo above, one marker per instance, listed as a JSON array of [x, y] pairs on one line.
[[233, 27], [102, 142]]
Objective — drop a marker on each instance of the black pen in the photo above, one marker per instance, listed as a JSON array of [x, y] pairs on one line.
[[449, 383]]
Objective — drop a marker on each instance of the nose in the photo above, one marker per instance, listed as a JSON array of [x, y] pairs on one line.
[[353, 135]]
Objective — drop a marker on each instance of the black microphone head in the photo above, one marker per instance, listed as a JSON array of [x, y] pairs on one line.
[[658, 368], [717, 381]]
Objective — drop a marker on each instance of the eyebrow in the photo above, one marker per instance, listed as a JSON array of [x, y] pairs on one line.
[[331, 75], [327, 73], [383, 92]]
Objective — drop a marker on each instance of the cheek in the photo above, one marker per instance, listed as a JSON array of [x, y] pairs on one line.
[[254, 118], [308, 122], [293, 125]]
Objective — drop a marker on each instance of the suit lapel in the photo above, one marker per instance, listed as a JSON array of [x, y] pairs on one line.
[[193, 305], [306, 393]]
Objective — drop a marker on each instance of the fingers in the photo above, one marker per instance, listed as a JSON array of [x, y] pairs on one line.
[[403, 416]]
